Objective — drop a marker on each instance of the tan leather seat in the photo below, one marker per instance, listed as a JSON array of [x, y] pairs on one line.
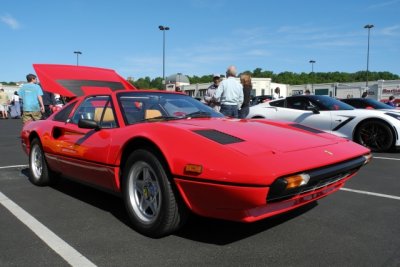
[[152, 113], [108, 115]]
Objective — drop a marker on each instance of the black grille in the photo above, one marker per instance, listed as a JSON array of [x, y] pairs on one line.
[[219, 137]]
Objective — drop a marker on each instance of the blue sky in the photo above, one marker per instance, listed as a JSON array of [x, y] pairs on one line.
[[204, 37]]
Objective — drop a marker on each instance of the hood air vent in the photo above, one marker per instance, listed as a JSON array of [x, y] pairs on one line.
[[306, 128], [219, 137]]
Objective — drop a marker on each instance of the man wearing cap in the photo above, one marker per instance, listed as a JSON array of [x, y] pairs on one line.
[[209, 96], [230, 94]]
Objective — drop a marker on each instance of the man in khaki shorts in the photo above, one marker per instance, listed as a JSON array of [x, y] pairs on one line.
[[4, 100], [31, 95]]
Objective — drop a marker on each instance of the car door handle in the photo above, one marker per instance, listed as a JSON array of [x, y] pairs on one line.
[[339, 120]]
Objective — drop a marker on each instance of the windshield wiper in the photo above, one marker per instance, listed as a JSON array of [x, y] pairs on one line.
[[161, 118], [198, 114]]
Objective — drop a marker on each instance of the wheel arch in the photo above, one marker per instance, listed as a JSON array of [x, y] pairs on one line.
[[142, 143], [32, 136], [258, 117]]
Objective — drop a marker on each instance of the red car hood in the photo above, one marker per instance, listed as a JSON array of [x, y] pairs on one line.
[[259, 136], [68, 80]]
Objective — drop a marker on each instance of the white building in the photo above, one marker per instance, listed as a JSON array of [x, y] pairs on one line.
[[379, 90], [261, 86]]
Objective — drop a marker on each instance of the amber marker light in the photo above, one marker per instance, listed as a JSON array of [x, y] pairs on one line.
[[193, 168], [367, 158], [297, 180]]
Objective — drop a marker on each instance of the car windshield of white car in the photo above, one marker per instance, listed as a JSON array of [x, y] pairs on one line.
[[156, 106], [329, 103]]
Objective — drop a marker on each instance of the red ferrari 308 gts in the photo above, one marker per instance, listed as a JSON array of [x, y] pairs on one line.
[[168, 154]]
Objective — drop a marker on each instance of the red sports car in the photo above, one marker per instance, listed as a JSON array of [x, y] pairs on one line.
[[167, 154]]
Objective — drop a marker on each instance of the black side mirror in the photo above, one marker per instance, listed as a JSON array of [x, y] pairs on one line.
[[313, 109], [88, 124]]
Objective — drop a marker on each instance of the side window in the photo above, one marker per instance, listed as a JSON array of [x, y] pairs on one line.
[[97, 108], [296, 103], [279, 103], [361, 104], [63, 114]]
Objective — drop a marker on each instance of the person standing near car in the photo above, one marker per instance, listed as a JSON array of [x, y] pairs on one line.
[[32, 102], [391, 101], [245, 80], [209, 96], [48, 101], [230, 94], [4, 101], [277, 93]]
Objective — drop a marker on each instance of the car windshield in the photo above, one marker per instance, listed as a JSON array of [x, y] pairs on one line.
[[159, 106], [378, 105], [328, 103]]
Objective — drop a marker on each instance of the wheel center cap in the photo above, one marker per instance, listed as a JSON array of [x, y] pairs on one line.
[[146, 193]]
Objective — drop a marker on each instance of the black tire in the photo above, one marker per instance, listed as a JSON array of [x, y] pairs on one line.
[[153, 207], [376, 135], [39, 173]]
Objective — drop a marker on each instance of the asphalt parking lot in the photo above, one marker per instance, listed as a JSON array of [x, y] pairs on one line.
[[70, 224]]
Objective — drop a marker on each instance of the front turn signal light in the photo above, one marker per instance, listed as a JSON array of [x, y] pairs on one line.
[[297, 180], [367, 158], [193, 169]]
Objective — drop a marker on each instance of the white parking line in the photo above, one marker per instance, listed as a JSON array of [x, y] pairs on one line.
[[13, 166], [370, 193], [67, 252], [385, 158]]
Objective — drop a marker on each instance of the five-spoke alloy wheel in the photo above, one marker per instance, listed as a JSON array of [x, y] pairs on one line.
[[153, 207], [38, 171]]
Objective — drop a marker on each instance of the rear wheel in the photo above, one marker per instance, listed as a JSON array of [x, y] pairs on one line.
[[39, 173], [153, 207], [375, 135]]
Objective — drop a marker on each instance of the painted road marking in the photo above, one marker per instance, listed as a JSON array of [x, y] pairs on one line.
[[385, 158], [62, 248], [370, 193], [14, 166]]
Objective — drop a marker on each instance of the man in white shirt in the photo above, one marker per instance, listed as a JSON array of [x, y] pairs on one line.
[[230, 94]]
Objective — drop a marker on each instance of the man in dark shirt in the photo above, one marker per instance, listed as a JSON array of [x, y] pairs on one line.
[[48, 101]]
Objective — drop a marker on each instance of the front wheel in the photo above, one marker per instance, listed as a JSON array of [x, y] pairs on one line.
[[375, 135], [153, 207]]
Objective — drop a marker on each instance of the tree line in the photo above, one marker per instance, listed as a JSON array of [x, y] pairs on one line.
[[286, 77]]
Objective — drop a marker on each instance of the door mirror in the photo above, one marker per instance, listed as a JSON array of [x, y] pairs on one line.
[[88, 124], [313, 109]]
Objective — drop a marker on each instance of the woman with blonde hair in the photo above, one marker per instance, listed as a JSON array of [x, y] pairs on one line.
[[245, 80]]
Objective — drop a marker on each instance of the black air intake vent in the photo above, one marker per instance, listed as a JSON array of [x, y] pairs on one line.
[[306, 128], [219, 137]]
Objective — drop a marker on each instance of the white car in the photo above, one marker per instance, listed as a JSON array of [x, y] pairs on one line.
[[375, 129]]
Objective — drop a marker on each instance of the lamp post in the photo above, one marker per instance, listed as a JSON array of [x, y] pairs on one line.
[[312, 73], [163, 28], [77, 56], [369, 27]]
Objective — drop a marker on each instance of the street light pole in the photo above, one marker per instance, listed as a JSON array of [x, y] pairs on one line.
[[77, 56], [163, 28], [368, 26], [312, 73]]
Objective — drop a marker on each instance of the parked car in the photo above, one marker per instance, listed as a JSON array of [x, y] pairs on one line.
[[168, 154], [374, 129], [260, 99], [366, 103]]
